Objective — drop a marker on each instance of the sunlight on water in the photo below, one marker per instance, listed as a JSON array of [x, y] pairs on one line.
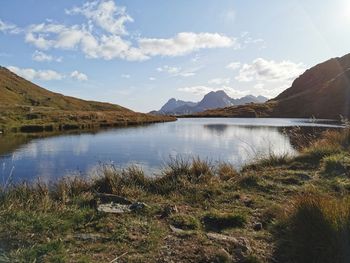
[[238, 141]]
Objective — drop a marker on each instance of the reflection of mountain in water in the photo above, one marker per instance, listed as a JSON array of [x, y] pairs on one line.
[[299, 137], [217, 129], [10, 143], [232, 141]]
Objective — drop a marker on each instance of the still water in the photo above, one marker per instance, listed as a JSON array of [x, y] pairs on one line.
[[238, 141]]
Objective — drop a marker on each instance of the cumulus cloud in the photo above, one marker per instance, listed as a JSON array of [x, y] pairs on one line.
[[8, 28], [169, 69], [203, 89], [270, 70], [31, 74], [220, 81], [105, 14], [184, 43], [177, 71], [104, 36], [234, 65], [43, 57], [47, 36], [78, 76]]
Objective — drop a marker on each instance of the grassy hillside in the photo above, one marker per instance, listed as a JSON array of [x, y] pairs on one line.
[[16, 91], [322, 92], [25, 106]]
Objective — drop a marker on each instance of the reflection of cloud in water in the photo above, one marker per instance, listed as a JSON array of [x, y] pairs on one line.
[[81, 147], [246, 142], [29, 151], [45, 171], [150, 147]]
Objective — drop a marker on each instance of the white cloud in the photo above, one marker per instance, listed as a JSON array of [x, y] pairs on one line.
[[220, 81], [169, 69], [106, 14], [103, 36], [125, 76], [183, 43], [202, 90], [42, 57], [47, 36], [234, 65], [195, 58], [30, 74], [268, 91], [152, 78], [177, 71], [78, 76], [270, 70], [9, 28], [247, 39]]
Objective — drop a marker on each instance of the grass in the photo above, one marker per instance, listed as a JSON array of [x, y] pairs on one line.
[[317, 229], [302, 203], [216, 221], [184, 222], [337, 164], [27, 108]]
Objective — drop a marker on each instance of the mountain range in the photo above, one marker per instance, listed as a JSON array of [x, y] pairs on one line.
[[323, 91], [212, 100]]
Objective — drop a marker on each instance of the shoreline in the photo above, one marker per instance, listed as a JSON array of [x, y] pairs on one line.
[[192, 212], [49, 125]]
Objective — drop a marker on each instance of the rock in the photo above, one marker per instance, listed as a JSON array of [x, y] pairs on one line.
[[120, 209], [220, 237], [258, 226], [137, 206], [89, 237], [109, 198], [177, 230], [113, 208], [239, 243], [169, 210]]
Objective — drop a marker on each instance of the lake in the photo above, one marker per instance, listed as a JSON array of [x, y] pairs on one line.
[[238, 141]]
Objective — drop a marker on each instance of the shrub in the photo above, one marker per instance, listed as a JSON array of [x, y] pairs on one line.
[[316, 229], [331, 142], [185, 222], [249, 181], [226, 171], [337, 164], [199, 169], [270, 160], [218, 221]]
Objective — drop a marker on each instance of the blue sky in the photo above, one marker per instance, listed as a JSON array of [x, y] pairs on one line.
[[140, 53]]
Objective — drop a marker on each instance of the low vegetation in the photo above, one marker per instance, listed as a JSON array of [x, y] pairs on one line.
[[279, 209], [26, 107]]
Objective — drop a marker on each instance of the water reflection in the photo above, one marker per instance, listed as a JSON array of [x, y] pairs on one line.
[[232, 140]]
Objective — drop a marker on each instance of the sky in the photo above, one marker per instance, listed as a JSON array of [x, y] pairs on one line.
[[141, 53]]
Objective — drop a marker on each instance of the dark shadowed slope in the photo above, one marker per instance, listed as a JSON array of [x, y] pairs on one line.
[[322, 92]]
